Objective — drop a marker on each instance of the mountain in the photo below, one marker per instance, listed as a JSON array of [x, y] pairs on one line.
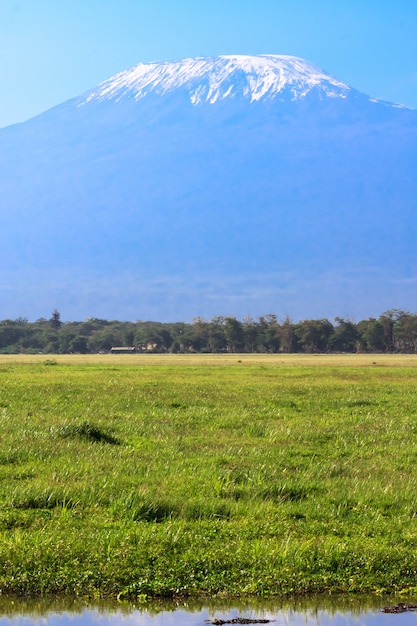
[[231, 185], [212, 79]]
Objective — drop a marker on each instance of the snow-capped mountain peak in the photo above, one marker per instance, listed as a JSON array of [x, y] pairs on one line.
[[211, 79]]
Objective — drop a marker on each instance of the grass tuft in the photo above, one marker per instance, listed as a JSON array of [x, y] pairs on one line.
[[88, 432]]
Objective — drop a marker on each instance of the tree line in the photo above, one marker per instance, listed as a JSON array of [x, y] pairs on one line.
[[393, 331]]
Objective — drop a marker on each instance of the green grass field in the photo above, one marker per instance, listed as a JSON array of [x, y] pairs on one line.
[[187, 475]]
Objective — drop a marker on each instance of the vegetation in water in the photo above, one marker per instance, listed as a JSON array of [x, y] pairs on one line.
[[160, 476]]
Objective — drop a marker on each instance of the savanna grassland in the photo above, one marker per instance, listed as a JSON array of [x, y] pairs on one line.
[[185, 475]]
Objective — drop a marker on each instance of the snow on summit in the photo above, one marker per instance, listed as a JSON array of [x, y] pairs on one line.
[[215, 78]]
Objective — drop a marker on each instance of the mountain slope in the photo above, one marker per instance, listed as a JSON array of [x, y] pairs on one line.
[[211, 186]]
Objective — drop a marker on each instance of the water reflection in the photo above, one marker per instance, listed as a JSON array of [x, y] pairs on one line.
[[319, 611]]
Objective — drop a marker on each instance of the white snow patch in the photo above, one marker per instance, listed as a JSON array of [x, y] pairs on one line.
[[211, 79]]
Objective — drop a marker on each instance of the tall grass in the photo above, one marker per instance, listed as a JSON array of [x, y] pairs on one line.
[[235, 477]]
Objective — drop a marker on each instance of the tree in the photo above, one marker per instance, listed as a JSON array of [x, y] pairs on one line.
[[371, 335], [287, 335], [78, 345], [197, 335], [185, 341], [10, 333], [387, 321], [314, 335], [66, 336], [345, 336], [233, 332], [216, 338], [250, 334], [270, 333], [56, 319], [103, 339], [405, 332], [153, 337]]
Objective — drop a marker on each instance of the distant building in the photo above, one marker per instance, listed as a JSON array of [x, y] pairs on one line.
[[122, 350]]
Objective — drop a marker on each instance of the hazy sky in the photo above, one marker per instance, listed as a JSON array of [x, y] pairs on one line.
[[53, 50]]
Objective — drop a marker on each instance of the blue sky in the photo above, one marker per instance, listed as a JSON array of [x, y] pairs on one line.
[[53, 50]]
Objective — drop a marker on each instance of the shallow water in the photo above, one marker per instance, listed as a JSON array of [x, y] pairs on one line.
[[320, 611]]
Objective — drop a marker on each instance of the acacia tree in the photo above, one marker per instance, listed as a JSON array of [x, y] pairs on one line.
[[233, 332], [196, 336], [405, 332], [216, 338], [314, 335], [387, 320], [250, 334], [270, 333], [288, 336], [345, 336], [371, 335]]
